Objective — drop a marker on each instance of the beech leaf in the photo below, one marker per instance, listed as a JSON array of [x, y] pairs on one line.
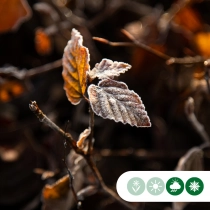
[[108, 69], [13, 13], [113, 100], [75, 65]]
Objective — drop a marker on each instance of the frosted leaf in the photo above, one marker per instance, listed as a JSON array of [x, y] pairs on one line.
[[113, 100], [75, 67], [108, 69]]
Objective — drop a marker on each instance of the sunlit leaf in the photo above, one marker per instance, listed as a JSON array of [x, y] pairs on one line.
[[57, 190], [82, 138], [108, 69], [13, 13], [113, 100], [75, 66], [202, 40], [43, 43]]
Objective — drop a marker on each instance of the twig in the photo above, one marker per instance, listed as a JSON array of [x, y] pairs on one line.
[[91, 125], [145, 47], [189, 111], [102, 184], [14, 72], [43, 69], [43, 118], [169, 60]]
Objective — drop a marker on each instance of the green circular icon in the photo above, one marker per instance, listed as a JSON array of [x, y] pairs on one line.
[[175, 186], [136, 186], [194, 186], [155, 186]]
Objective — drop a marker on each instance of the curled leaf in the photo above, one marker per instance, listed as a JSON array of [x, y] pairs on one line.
[[13, 13], [75, 65], [108, 69], [113, 100], [82, 138]]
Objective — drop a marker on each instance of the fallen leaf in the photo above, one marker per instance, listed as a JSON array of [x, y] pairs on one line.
[[57, 190], [43, 42], [13, 13], [82, 138], [108, 69], [113, 100], [75, 66]]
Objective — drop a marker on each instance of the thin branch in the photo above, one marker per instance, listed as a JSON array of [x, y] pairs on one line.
[[189, 111], [169, 60], [145, 47], [43, 118], [91, 125], [43, 69]]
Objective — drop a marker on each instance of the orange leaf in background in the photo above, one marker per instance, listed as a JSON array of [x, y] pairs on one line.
[[10, 89], [57, 190], [189, 19], [13, 13], [202, 41], [75, 66], [43, 43]]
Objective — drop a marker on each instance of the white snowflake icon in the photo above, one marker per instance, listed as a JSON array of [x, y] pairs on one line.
[[194, 186], [136, 183]]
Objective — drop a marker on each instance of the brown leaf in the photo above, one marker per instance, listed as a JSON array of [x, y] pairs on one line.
[[108, 69], [75, 65], [191, 161], [57, 190], [13, 13], [82, 138], [113, 100], [43, 43]]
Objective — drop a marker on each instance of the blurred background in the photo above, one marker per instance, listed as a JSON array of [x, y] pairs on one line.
[[35, 33]]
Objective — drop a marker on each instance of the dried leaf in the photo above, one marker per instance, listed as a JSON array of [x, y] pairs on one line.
[[191, 161], [13, 13], [57, 190], [43, 42], [108, 69], [113, 100], [82, 138], [75, 65]]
